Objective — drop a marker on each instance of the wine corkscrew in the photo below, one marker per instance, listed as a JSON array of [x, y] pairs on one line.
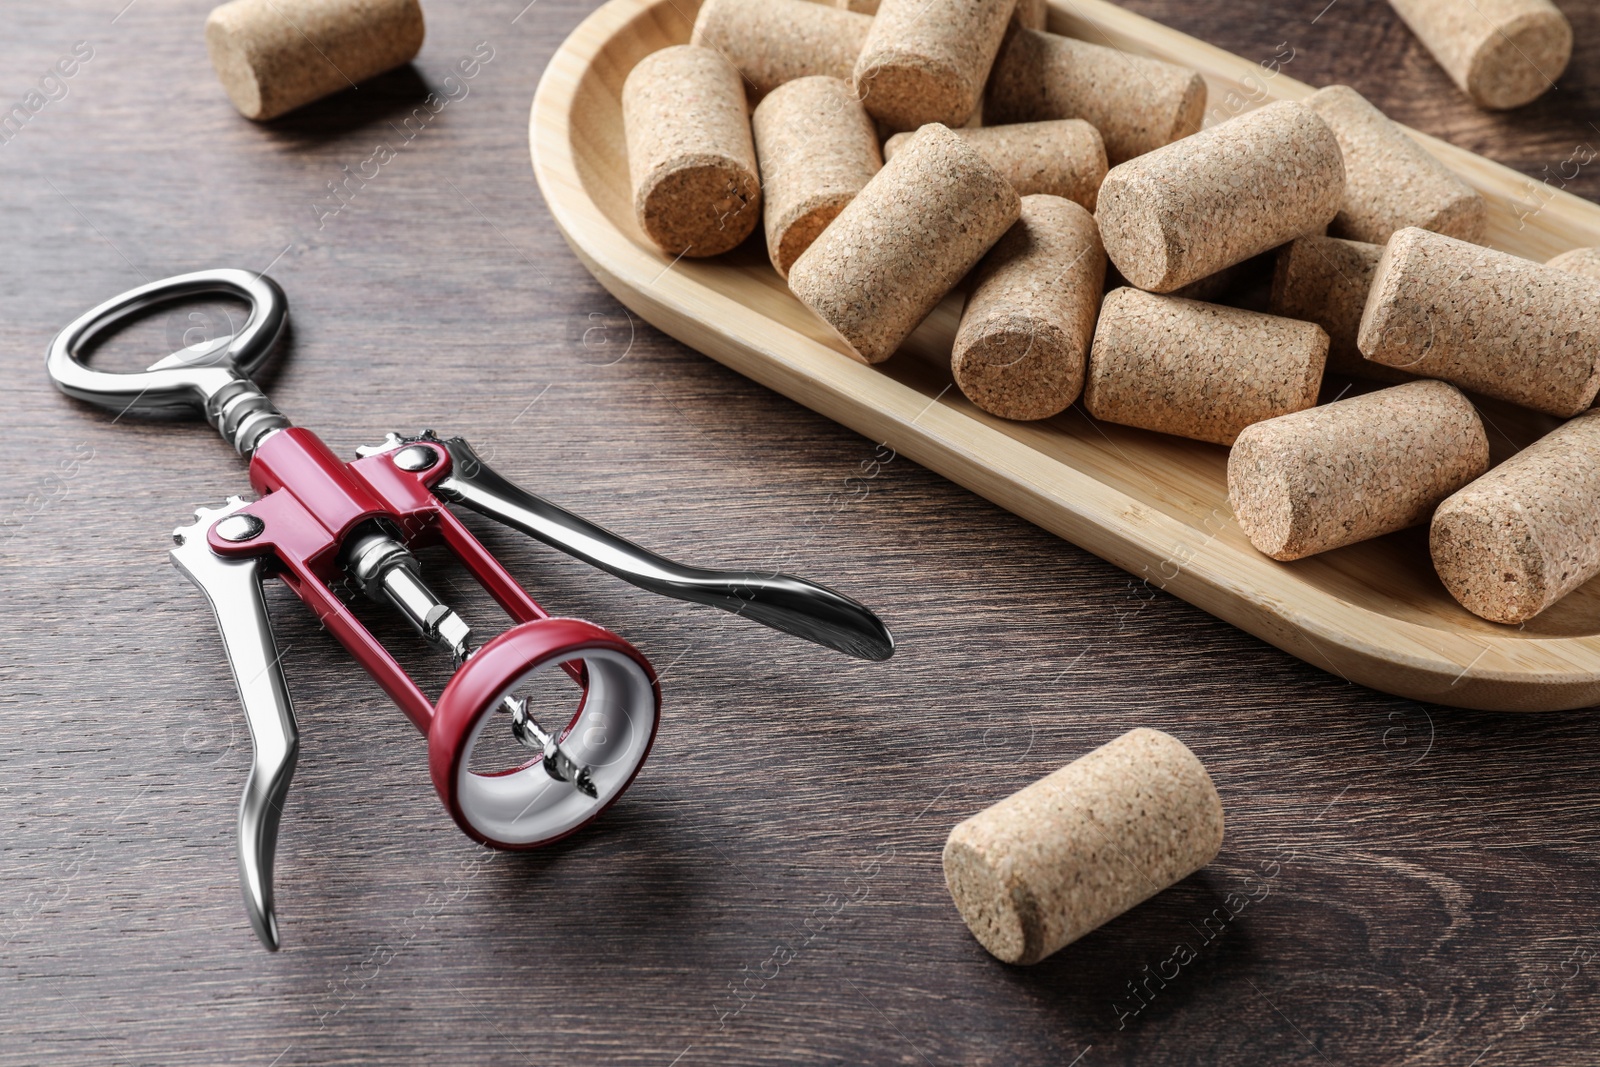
[[318, 522]]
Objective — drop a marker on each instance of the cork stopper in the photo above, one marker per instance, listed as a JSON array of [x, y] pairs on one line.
[[1024, 336], [1198, 370], [925, 60], [1030, 13], [690, 154], [1485, 320], [1355, 469], [1502, 53], [1137, 104], [273, 56], [1584, 261], [776, 41], [1391, 181], [904, 242], [1079, 847], [1179, 213], [1527, 533], [1063, 157], [1325, 280], [817, 148]]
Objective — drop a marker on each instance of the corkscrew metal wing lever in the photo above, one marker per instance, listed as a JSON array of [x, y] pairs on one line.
[[322, 525]]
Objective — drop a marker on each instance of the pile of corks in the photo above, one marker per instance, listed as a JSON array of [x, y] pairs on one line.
[[878, 197]]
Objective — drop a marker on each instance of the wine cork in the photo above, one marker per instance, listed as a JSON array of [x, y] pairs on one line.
[[1325, 280], [1584, 261], [1198, 370], [776, 41], [690, 153], [1214, 199], [1063, 157], [817, 148], [273, 56], [1485, 320], [1082, 845], [1024, 336], [1502, 53], [1030, 13], [925, 60], [904, 242], [1137, 104], [1527, 533], [1391, 181], [1355, 469]]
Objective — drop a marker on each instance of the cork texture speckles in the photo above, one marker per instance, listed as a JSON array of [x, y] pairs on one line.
[[1485, 320], [776, 41], [1527, 533], [1180, 213], [817, 148], [1137, 104], [1023, 342], [690, 154], [926, 60], [1325, 280], [1584, 261], [1391, 181], [907, 238], [1198, 370], [1050, 863], [273, 56], [1330, 476], [1502, 53], [1063, 157]]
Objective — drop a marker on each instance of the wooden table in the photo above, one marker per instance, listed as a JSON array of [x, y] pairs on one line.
[[1422, 880]]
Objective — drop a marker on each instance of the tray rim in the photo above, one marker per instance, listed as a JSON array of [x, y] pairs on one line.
[[1391, 654]]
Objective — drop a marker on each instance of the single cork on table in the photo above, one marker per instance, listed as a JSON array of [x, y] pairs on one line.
[[1355, 469], [1063, 157], [1584, 261], [1198, 370], [1082, 845], [1024, 337], [273, 56], [904, 242], [1137, 104], [925, 60], [1325, 280], [1391, 181], [1180, 213], [1485, 320], [817, 148], [1527, 533], [776, 41], [690, 154], [1502, 53]]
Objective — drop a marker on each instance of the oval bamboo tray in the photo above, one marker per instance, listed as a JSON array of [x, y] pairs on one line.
[[1156, 506]]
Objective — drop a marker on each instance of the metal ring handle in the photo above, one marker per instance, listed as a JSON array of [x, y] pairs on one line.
[[171, 389]]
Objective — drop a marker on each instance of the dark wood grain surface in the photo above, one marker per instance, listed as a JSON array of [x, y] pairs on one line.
[[1422, 881]]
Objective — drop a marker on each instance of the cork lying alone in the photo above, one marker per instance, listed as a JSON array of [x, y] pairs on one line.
[[1048, 864], [273, 56], [1502, 53]]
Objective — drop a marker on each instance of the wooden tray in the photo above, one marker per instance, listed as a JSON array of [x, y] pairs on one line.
[[1154, 505]]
